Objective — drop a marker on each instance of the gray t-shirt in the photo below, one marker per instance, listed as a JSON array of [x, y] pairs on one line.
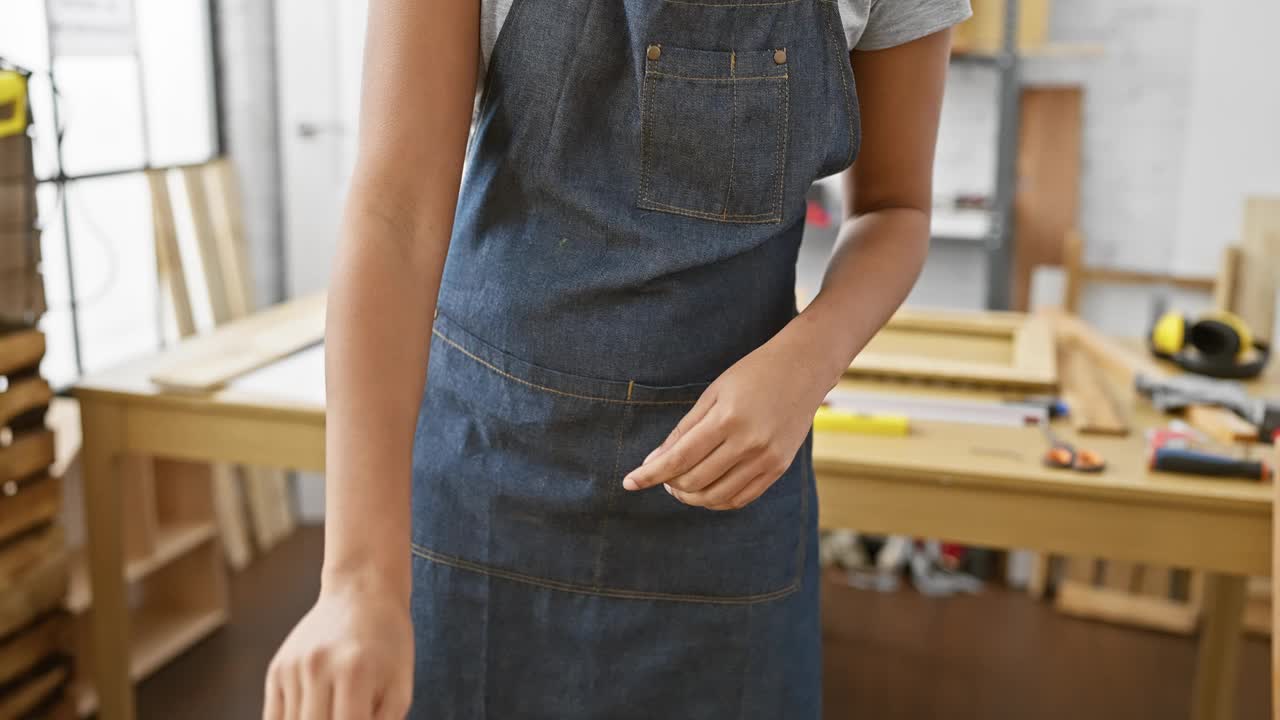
[[868, 24]]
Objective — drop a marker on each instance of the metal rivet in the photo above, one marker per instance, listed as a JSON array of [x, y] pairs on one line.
[[655, 52], [779, 57]]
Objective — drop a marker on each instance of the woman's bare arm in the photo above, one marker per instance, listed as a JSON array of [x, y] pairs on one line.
[[419, 82], [888, 194], [878, 256], [352, 654]]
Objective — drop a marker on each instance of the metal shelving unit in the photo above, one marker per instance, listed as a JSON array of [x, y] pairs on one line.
[[998, 241]]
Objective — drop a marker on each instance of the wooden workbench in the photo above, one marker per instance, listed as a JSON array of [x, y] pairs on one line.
[[968, 483]]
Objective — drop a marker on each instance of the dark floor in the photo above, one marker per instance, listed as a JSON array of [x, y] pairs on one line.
[[996, 656]]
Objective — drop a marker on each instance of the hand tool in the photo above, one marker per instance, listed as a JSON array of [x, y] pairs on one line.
[[829, 419], [1066, 456], [1173, 451]]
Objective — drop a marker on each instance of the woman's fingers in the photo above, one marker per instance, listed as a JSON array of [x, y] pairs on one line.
[[749, 494], [725, 487], [690, 447], [395, 702], [352, 696], [273, 695], [710, 469], [291, 692], [317, 690]]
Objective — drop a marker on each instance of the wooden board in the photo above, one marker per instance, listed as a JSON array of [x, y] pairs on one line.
[[998, 350], [29, 645], [202, 225], [37, 502], [246, 346], [1047, 204], [169, 266], [1259, 265], [32, 588], [984, 32], [30, 453], [20, 350], [1092, 402], [1221, 424], [27, 698], [22, 397], [1228, 281], [1116, 606]]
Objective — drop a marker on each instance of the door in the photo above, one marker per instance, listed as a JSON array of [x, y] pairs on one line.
[[319, 44]]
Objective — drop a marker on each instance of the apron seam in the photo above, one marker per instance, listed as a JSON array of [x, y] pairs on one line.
[[598, 591], [596, 398]]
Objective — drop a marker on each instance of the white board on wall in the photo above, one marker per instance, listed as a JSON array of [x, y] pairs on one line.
[[1233, 134]]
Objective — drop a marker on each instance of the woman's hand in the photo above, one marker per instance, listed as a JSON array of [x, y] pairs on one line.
[[350, 658], [744, 431]]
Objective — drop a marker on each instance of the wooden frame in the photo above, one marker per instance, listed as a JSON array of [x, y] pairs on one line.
[[912, 346]]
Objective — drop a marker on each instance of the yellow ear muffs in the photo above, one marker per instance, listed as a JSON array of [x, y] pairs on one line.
[[1219, 344], [1169, 334]]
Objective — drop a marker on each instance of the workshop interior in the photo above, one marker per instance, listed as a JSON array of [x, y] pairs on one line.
[[1045, 487]]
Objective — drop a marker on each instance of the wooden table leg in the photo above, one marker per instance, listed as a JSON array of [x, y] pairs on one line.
[[1214, 694], [103, 447]]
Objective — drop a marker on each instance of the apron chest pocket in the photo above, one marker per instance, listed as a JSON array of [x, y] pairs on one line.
[[714, 133]]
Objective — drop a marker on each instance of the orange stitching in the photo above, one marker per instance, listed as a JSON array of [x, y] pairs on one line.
[[707, 78], [756, 218], [733, 131], [461, 564], [844, 83], [544, 388], [780, 165]]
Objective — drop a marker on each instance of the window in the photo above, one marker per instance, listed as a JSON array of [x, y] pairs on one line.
[[135, 88]]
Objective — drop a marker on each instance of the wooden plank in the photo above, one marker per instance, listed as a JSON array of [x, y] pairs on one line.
[[20, 350], [47, 637], [36, 502], [30, 453], [1227, 284], [1123, 362], [24, 552], [248, 345], [1259, 276], [1155, 581], [1120, 575], [1034, 349], [26, 699], [1125, 608], [935, 320], [1047, 203], [1093, 407], [22, 397], [1213, 693], [1073, 269], [1139, 277], [1081, 570], [169, 267], [33, 589], [206, 242], [228, 225], [1221, 424]]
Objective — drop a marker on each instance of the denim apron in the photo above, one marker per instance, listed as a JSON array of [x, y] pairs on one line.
[[627, 229]]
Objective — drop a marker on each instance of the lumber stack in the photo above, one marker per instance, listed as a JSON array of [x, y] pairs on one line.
[[34, 576]]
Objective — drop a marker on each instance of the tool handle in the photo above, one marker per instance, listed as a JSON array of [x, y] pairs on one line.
[[1181, 460]]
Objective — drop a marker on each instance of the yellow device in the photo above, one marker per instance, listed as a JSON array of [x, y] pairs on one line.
[[13, 103], [829, 419]]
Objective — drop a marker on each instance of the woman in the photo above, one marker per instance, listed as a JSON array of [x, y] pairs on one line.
[[612, 511]]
